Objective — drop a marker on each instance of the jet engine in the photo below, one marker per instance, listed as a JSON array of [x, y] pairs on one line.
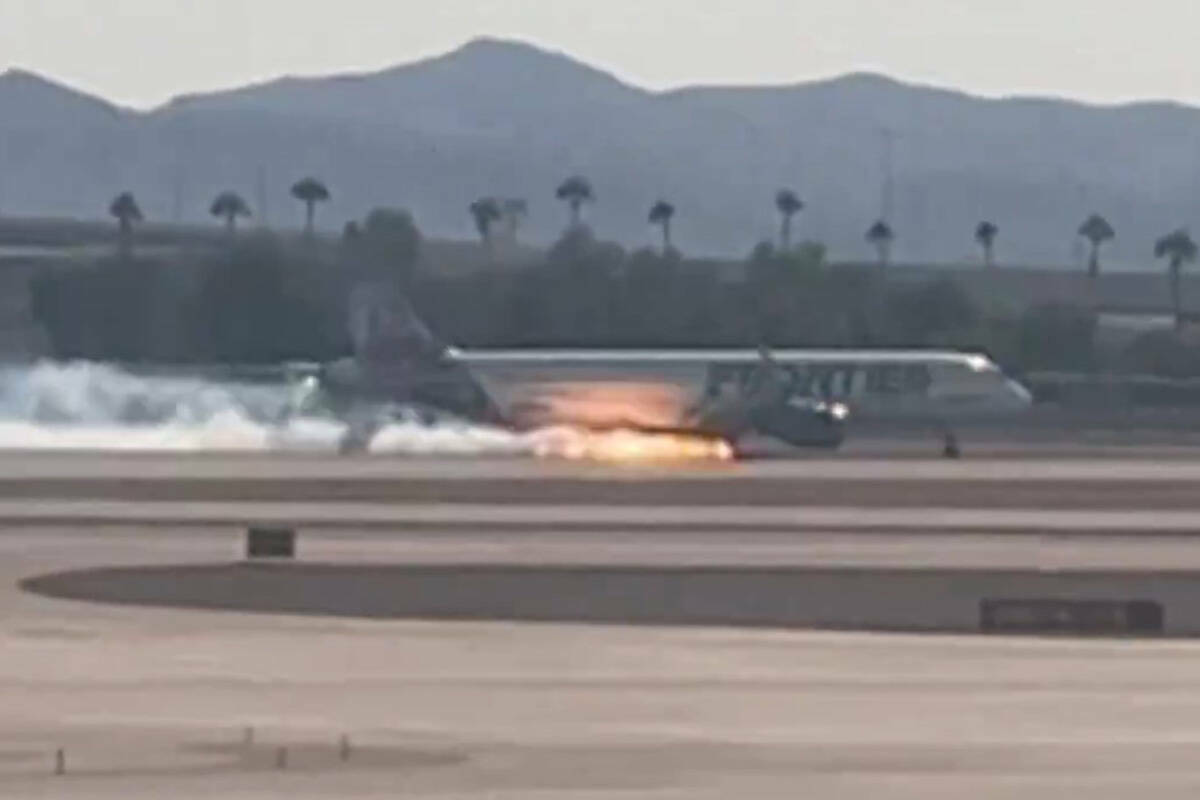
[[803, 421]]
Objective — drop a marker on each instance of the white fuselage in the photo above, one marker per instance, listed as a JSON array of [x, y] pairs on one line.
[[673, 388]]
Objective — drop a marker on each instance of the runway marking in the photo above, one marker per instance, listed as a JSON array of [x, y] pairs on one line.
[[20, 467], [498, 516]]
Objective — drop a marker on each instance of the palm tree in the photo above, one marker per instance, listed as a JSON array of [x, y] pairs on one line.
[[310, 191], [1179, 249], [485, 212], [1097, 231], [788, 205], [229, 206], [576, 191], [125, 208], [985, 236], [880, 235], [514, 210], [661, 215]]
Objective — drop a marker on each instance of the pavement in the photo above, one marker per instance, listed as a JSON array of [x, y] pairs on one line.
[[147, 700]]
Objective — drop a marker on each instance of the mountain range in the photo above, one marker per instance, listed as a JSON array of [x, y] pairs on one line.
[[507, 119]]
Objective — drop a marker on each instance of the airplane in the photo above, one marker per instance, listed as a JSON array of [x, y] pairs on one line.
[[804, 398]]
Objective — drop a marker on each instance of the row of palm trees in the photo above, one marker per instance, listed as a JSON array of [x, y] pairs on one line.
[[577, 192], [227, 205], [1177, 247]]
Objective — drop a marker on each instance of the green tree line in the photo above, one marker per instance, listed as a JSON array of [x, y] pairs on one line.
[[264, 299]]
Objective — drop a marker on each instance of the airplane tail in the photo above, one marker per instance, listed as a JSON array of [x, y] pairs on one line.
[[384, 328], [399, 358]]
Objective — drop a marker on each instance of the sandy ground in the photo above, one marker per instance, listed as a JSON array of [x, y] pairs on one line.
[[149, 703]]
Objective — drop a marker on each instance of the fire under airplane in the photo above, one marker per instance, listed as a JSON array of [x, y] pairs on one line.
[[801, 397]]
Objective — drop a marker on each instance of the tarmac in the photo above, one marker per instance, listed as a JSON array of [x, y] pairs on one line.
[[429, 641]]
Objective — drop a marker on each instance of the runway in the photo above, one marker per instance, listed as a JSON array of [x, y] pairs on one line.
[[1151, 481], [439, 697]]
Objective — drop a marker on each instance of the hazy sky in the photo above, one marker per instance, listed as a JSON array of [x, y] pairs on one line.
[[140, 52]]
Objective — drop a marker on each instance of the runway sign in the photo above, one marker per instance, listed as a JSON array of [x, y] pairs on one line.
[[1071, 616], [270, 543]]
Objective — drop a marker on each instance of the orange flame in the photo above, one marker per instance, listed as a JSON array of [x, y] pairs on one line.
[[629, 446]]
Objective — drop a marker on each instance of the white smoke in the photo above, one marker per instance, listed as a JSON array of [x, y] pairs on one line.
[[87, 406]]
